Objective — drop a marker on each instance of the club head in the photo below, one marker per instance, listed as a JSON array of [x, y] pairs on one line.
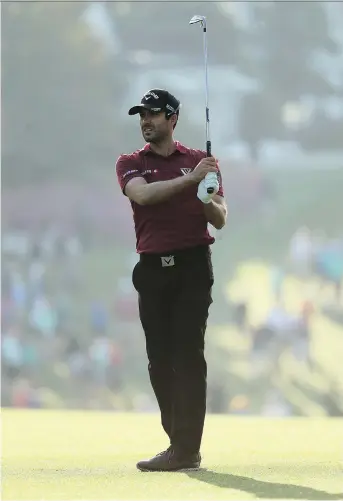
[[198, 19]]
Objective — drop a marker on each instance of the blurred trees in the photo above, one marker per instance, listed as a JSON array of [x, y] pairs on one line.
[[287, 35], [163, 28], [61, 91], [56, 87]]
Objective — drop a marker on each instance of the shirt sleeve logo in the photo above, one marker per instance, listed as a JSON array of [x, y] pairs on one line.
[[149, 171], [129, 172]]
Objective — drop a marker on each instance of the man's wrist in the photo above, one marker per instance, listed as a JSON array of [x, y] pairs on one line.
[[190, 179]]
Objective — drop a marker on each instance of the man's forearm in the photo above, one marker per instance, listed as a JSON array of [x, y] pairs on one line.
[[216, 214], [154, 193]]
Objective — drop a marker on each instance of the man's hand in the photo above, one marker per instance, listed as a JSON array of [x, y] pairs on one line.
[[206, 165], [210, 181]]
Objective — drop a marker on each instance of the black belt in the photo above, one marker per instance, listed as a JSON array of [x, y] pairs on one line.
[[177, 257]]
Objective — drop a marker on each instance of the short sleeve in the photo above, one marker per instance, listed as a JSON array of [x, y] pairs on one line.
[[127, 168]]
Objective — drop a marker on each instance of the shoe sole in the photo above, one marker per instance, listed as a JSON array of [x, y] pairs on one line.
[[146, 470]]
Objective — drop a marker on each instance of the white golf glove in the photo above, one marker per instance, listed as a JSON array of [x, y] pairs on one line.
[[210, 181]]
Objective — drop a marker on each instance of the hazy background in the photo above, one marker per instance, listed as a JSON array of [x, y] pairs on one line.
[[71, 336]]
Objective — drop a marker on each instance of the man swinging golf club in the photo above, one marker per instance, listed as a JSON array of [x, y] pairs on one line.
[[174, 192]]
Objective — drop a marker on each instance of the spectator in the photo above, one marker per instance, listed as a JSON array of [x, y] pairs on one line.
[[36, 275], [12, 353], [240, 317], [301, 249], [100, 356], [277, 279], [99, 318], [18, 292], [43, 318], [301, 337]]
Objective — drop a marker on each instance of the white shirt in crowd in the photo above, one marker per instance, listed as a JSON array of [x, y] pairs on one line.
[[301, 247]]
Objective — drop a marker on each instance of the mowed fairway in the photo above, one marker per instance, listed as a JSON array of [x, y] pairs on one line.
[[89, 455]]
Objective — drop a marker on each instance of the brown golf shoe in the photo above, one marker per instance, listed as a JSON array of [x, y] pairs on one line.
[[169, 460]]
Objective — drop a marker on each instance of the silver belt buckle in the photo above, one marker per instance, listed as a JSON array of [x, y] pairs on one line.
[[167, 261]]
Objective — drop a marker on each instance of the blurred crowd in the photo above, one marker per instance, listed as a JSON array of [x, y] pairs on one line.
[[316, 262], [312, 253], [62, 347], [51, 348], [66, 340]]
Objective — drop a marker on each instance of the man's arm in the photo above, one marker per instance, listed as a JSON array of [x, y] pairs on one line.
[[216, 212], [137, 189], [143, 193]]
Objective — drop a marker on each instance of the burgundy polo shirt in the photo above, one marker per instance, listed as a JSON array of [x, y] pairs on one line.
[[178, 223]]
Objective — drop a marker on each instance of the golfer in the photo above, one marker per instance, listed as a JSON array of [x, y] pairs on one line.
[[166, 184]]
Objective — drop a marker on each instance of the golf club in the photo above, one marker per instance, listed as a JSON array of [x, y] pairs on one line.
[[202, 21]]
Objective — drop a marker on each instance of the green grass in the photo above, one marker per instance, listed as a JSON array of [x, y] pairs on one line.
[[73, 455]]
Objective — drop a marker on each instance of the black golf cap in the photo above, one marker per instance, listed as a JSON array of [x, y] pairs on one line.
[[157, 100]]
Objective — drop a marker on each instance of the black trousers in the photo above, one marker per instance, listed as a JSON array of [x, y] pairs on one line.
[[173, 306]]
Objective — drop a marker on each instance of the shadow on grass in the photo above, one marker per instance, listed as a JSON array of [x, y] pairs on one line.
[[261, 489]]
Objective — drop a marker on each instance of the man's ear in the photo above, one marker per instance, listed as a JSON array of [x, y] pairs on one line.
[[174, 119]]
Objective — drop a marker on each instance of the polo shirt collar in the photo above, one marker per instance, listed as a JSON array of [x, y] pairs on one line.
[[178, 147]]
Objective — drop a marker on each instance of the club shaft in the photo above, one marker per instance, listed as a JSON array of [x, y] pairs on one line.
[[208, 137], [202, 19]]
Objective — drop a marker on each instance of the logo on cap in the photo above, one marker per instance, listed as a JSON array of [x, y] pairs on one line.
[[170, 108], [150, 94]]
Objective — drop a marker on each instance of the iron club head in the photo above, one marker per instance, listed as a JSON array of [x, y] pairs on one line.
[[198, 19]]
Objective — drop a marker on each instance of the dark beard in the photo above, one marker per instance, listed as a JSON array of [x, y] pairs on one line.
[[155, 138]]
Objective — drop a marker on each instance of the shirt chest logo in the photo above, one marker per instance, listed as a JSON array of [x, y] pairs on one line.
[[186, 171]]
